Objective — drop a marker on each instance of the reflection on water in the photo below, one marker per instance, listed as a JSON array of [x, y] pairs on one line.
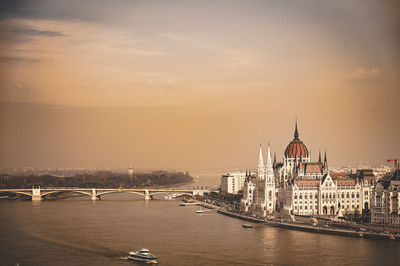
[[78, 231]]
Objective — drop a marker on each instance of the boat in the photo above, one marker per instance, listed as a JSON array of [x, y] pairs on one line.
[[200, 210], [247, 226], [143, 256]]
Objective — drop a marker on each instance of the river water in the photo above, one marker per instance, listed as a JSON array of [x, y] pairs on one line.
[[77, 231]]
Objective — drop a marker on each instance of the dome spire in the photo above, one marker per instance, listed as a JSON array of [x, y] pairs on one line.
[[296, 132]]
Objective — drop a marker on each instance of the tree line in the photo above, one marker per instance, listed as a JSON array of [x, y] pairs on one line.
[[99, 179]]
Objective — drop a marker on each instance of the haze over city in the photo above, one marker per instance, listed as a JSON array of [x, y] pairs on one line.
[[196, 85]]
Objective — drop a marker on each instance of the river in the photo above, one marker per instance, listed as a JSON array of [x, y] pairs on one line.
[[77, 231]]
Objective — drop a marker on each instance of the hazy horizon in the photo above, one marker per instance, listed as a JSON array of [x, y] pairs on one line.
[[196, 84]]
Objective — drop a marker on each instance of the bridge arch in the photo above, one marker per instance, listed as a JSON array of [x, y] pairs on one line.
[[20, 192]]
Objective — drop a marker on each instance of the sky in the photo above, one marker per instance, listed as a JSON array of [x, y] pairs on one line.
[[197, 85]]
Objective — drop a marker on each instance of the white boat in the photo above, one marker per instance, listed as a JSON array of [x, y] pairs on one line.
[[247, 226], [143, 256], [200, 210]]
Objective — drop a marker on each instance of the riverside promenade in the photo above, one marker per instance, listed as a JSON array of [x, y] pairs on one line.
[[309, 228]]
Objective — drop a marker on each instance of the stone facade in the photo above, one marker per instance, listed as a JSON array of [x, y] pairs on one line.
[[299, 186], [385, 208]]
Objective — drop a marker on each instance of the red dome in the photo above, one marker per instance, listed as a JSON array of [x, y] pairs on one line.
[[296, 149]]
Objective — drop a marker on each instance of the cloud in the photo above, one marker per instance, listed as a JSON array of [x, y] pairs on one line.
[[35, 32], [15, 32], [17, 59], [364, 75]]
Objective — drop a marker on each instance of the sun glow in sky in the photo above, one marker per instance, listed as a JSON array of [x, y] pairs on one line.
[[198, 84]]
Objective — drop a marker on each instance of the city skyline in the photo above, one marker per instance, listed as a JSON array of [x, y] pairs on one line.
[[196, 85]]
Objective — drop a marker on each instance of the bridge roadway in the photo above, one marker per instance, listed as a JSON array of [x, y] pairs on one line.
[[95, 193]]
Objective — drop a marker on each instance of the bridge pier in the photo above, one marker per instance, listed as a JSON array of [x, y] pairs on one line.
[[94, 195], [147, 195], [36, 194]]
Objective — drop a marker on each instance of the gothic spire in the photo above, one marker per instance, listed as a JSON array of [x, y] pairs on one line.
[[296, 132], [260, 158], [269, 162], [319, 157], [274, 157]]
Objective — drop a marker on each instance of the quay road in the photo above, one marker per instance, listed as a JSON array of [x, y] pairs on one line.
[[313, 229], [38, 193], [305, 227]]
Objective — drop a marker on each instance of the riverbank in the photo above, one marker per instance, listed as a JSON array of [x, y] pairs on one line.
[[312, 229]]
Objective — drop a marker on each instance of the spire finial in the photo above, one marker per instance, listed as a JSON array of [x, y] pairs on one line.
[[325, 157], [319, 157], [296, 133]]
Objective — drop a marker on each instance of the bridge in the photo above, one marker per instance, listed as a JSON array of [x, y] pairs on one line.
[[95, 193]]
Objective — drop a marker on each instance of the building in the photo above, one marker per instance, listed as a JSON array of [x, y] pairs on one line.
[[249, 192], [385, 208], [232, 182], [260, 192], [130, 172], [303, 187]]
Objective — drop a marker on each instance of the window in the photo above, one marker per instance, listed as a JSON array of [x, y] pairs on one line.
[[316, 196], [301, 197], [352, 195], [301, 207], [305, 196], [295, 196], [358, 195], [347, 195], [305, 207], [342, 195]]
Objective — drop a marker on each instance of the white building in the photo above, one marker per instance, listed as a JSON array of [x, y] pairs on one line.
[[385, 207], [232, 182], [300, 186]]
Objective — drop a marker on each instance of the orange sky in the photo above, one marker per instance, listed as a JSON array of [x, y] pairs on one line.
[[197, 85]]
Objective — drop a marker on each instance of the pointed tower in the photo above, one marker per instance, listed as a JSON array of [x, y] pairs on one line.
[[325, 163], [319, 157], [269, 171], [269, 197], [261, 167], [130, 172], [296, 132]]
